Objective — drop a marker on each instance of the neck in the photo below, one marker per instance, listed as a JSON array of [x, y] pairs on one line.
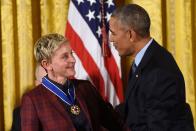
[[58, 79], [141, 42]]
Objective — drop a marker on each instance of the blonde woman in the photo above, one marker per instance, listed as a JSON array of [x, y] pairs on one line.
[[60, 103]]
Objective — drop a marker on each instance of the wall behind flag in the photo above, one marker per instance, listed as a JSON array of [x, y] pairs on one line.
[[22, 22]]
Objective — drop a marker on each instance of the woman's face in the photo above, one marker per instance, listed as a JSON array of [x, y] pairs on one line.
[[63, 62]]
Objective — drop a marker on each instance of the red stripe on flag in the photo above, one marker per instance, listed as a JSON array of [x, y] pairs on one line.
[[87, 61], [113, 72]]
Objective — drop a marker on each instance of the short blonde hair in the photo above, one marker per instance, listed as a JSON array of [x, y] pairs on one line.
[[46, 45]]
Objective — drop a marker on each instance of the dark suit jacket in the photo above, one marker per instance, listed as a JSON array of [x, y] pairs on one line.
[[42, 110], [155, 97], [16, 120]]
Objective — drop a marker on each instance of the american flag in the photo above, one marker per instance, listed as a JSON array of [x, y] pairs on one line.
[[96, 60]]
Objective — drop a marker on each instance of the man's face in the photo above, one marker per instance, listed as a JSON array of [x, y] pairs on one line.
[[120, 37], [63, 62]]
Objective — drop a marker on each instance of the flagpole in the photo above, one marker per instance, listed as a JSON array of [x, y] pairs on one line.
[[105, 46]]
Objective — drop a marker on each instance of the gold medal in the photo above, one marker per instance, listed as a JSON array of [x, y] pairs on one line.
[[75, 109]]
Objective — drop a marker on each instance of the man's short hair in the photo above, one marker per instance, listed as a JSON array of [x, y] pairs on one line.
[[135, 17]]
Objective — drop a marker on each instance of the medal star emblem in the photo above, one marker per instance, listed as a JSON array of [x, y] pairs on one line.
[[75, 110]]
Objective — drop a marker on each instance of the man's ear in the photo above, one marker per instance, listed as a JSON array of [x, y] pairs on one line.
[[46, 65], [132, 35]]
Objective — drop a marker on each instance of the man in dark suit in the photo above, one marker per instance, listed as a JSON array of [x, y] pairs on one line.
[[155, 96]]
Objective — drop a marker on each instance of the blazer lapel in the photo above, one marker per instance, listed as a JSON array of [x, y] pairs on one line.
[[84, 108], [146, 58], [132, 82], [82, 103], [54, 101]]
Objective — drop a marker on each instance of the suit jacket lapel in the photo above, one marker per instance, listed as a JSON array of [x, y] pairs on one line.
[[146, 58], [132, 82]]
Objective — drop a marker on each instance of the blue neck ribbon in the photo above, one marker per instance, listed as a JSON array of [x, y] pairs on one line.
[[70, 100]]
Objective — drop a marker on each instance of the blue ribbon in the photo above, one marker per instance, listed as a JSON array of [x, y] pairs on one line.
[[70, 100]]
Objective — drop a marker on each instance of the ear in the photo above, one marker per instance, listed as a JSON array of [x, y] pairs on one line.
[[46, 65], [132, 35]]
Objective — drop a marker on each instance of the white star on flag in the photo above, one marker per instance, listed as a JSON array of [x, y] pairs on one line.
[[110, 3], [108, 15], [99, 16], [90, 15], [99, 31], [80, 1], [91, 2]]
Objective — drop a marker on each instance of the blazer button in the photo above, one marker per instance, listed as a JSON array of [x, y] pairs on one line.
[[136, 75]]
